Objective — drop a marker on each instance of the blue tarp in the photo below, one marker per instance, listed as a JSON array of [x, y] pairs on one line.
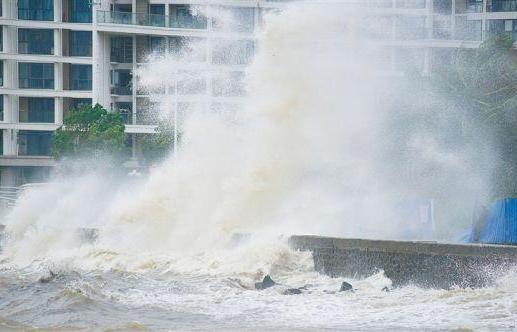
[[500, 226]]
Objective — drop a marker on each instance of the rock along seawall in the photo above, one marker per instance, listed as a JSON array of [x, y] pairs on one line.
[[425, 264]]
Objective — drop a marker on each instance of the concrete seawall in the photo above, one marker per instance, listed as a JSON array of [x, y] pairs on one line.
[[425, 264]]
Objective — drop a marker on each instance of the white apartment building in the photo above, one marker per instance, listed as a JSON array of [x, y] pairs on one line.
[[58, 54]]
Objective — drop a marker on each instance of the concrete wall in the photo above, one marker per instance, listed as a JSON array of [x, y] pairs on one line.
[[425, 264]]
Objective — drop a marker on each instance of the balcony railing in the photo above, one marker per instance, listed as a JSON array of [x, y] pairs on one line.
[[121, 90], [154, 20]]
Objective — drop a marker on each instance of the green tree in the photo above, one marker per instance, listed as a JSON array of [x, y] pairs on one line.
[[482, 84], [90, 131]]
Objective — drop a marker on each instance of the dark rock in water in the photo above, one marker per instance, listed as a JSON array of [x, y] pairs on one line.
[[266, 283], [48, 278], [292, 291], [385, 289], [345, 287]]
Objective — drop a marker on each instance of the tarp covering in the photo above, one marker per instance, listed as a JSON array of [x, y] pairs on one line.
[[500, 226]]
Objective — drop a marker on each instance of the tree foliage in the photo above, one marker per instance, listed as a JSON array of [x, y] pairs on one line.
[[90, 131], [482, 84]]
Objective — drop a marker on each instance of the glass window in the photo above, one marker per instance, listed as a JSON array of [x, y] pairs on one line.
[[1, 35], [81, 76], [157, 15], [34, 143], [80, 43], [80, 11], [233, 52], [77, 103], [182, 17], [474, 6], [1, 73], [121, 81], [38, 10], [1, 142], [35, 41], [228, 84], [238, 20], [36, 110], [36, 75], [125, 110], [157, 44], [503, 6], [188, 48], [122, 49], [1, 107], [411, 4], [442, 6]]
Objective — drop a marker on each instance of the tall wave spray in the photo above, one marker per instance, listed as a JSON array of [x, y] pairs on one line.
[[309, 153]]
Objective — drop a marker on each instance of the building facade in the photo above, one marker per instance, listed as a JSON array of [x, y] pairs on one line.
[[58, 54]]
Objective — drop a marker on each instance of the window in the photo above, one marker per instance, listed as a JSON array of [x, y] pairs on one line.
[[233, 52], [442, 6], [36, 110], [1, 107], [228, 84], [188, 48], [35, 41], [1, 35], [182, 17], [121, 81], [81, 76], [77, 103], [80, 43], [34, 143], [503, 6], [157, 15], [36, 75], [1, 142], [125, 110], [240, 20], [122, 49], [157, 44], [412, 4], [474, 6], [38, 10], [80, 11], [1, 73]]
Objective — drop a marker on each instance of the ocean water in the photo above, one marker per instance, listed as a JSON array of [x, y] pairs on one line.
[[216, 292], [312, 150]]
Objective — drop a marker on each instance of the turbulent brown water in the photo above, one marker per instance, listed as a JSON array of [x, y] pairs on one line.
[[203, 293]]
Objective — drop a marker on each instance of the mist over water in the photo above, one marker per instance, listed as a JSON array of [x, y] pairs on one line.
[[326, 141]]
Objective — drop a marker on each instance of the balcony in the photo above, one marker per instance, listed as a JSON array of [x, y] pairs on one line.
[[121, 90], [152, 20]]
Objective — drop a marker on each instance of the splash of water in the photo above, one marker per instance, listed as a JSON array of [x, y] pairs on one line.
[[304, 155]]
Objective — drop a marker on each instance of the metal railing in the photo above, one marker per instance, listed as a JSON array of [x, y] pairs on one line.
[[8, 196]]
